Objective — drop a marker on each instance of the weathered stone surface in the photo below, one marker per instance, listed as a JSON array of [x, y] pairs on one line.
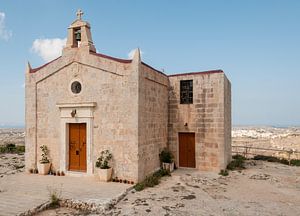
[[209, 117], [129, 108], [25, 194]]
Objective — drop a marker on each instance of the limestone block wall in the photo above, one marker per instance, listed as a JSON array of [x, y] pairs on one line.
[[112, 85], [208, 117], [30, 119], [153, 118], [227, 120]]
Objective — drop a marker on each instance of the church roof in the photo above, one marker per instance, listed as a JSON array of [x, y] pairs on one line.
[[199, 72], [33, 70], [100, 55], [93, 53], [112, 58], [125, 61]]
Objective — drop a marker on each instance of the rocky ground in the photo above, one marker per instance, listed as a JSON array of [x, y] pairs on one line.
[[262, 189], [267, 137], [11, 164], [279, 142], [12, 135]]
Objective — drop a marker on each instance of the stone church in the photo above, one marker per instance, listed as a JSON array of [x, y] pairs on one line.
[[84, 102]]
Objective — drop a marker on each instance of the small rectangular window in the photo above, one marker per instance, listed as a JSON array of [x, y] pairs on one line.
[[186, 91]]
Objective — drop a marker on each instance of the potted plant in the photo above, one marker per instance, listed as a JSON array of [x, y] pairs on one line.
[[44, 164], [166, 158], [104, 171]]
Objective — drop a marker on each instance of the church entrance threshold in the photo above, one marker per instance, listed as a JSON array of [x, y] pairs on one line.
[[77, 147]]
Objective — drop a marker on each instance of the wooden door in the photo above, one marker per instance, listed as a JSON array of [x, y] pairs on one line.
[[187, 150], [77, 147]]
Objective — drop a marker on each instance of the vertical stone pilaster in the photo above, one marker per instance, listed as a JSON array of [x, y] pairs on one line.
[[30, 120]]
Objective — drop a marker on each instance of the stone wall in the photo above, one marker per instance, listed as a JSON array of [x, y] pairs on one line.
[[208, 117], [132, 110], [30, 120], [227, 120], [153, 118], [113, 86]]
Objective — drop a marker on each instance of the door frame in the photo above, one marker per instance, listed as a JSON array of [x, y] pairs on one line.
[[178, 153], [84, 114]]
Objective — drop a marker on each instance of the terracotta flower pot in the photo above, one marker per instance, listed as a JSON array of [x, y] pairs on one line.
[[43, 168], [105, 174]]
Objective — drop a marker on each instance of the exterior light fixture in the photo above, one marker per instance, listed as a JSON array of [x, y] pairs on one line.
[[73, 113]]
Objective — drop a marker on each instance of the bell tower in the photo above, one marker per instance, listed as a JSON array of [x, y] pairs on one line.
[[79, 35]]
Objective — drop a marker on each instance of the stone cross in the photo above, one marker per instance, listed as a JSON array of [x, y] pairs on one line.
[[79, 14]]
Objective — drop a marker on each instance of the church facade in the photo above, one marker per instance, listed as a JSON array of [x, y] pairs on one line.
[[84, 102]]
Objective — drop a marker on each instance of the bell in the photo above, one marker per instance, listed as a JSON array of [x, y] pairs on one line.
[[78, 35]]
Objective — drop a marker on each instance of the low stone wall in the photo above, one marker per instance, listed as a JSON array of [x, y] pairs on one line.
[[86, 206], [250, 152]]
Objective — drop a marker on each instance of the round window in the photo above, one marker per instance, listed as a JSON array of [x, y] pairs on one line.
[[76, 87]]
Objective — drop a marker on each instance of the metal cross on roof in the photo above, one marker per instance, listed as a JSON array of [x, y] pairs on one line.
[[79, 14]]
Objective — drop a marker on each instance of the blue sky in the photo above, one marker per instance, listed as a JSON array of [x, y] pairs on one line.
[[256, 43]]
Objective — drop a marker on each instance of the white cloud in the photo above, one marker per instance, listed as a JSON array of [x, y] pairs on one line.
[[131, 53], [4, 33], [48, 49]]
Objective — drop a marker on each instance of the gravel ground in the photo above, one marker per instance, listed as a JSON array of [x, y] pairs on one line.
[[11, 164], [62, 212], [262, 189]]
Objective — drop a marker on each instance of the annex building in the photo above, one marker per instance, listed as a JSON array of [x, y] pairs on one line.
[[84, 102]]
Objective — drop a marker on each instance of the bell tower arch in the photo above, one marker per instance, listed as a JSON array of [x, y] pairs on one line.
[[79, 35]]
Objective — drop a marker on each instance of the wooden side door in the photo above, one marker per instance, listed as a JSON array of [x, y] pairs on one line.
[[77, 147], [183, 150], [191, 150], [187, 150]]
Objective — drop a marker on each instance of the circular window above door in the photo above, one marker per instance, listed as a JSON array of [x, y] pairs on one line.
[[76, 87]]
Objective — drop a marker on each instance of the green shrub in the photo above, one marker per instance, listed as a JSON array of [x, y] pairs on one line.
[[166, 156], [237, 163], [224, 172], [271, 159], [162, 172], [54, 195], [20, 149], [139, 186], [295, 162], [12, 148], [152, 180], [238, 157], [103, 161], [45, 153], [54, 200], [2, 149]]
